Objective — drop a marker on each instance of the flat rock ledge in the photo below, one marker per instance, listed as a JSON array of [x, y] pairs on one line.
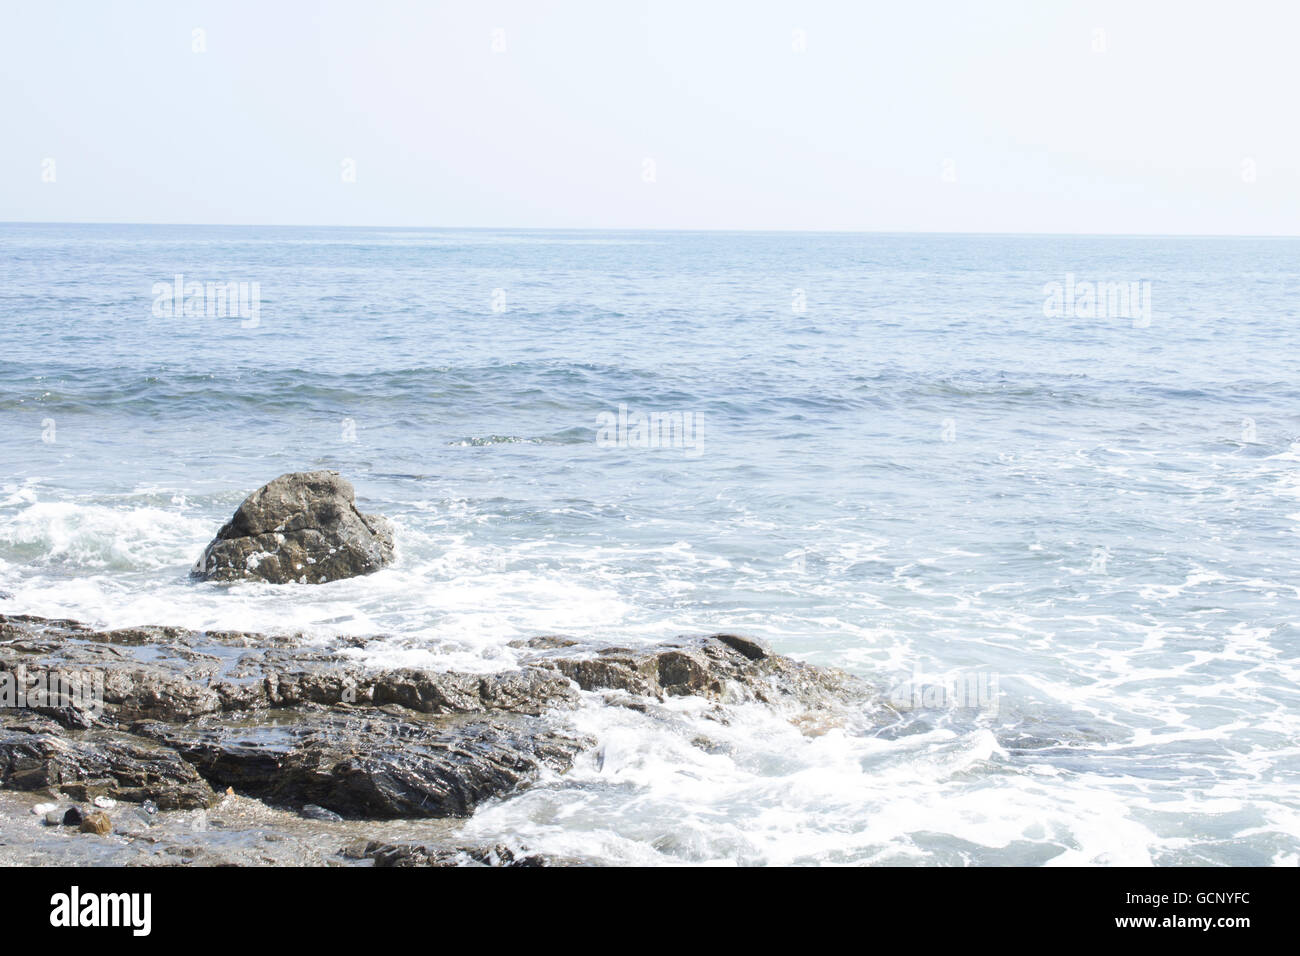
[[175, 719], [303, 527]]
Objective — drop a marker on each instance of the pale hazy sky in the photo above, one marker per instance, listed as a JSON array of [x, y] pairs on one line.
[[971, 117]]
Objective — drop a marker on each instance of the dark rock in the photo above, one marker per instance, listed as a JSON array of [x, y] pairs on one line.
[[751, 647], [73, 817], [100, 763], [185, 715], [176, 675], [144, 691], [725, 667], [614, 669], [304, 527], [372, 764]]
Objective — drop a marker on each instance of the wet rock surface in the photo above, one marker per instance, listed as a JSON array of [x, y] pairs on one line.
[[371, 765], [170, 721], [303, 526], [416, 854], [724, 667], [40, 755]]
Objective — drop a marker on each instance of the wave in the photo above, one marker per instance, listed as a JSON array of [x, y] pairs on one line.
[[102, 537]]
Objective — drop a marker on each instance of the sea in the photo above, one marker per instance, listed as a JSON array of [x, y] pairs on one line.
[[1041, 493]]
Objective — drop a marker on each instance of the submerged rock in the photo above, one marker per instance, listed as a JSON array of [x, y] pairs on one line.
[[302, 526]]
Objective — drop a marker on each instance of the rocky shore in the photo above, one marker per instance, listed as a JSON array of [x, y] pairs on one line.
[[301, 755]]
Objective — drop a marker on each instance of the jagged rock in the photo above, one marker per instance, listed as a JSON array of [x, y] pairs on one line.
[[177, 675], [302, 526], [178, 716], [751, 647], [98, 763], [725, 667]]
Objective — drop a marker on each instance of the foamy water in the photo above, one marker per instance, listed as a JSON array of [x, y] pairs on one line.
[[920, 477]]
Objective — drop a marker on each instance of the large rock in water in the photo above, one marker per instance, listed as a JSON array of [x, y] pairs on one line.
[[304, 527]]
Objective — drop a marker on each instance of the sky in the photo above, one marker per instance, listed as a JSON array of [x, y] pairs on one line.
[[1131, 117]]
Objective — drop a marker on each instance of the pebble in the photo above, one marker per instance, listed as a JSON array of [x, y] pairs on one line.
[[104, 803], [43, 808], [97, 822], [357, 850]]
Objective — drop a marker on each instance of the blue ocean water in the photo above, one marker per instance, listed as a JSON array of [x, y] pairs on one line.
[[897, 461]]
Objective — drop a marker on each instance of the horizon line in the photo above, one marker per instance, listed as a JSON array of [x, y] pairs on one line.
[[664, 229]]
